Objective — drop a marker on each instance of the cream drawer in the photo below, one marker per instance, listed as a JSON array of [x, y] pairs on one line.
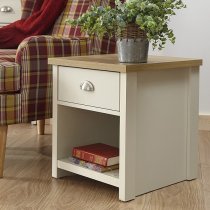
[[72, 83], [10, 11]]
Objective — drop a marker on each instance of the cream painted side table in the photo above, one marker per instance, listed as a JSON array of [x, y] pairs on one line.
[[10, 11], [150, 111]]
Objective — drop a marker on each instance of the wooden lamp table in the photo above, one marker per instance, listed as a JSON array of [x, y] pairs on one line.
[[149, 110]]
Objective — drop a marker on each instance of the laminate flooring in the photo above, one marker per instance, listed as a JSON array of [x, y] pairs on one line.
[[27, 182]]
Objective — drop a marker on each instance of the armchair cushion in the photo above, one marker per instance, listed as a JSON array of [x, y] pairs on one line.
[[73, 10], [76, 8]]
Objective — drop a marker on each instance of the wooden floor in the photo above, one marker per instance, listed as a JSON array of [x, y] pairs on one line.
[[27, 183]]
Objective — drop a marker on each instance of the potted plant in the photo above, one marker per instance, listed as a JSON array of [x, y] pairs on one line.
[[134, 23]]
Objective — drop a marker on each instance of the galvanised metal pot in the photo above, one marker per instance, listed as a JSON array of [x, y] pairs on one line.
[[132, 44], [133, 50]]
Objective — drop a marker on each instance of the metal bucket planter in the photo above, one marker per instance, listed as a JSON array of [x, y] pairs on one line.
[[132, 45]]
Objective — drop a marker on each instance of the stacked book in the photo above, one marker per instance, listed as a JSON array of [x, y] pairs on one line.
[[98, 157]]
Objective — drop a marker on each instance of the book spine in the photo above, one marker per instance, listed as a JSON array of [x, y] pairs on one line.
[[92, 166], [89, 157], [85, 164]]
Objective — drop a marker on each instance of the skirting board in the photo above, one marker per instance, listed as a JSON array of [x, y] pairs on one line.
[[204, 122]]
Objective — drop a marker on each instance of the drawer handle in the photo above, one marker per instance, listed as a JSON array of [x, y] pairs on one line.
[[6, 9], [87, 86]]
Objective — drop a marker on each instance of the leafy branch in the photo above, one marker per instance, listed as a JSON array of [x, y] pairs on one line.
[[152, 16]]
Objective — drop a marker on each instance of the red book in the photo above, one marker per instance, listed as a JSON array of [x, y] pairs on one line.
[[101, 154]]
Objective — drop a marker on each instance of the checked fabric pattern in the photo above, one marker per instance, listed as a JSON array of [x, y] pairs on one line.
[[76, 8], [9, 77], [26, 77], [9, 72], [73, 10], [10, 104], [7, 55], [36, 74], [27, 8], [10, 109], [105, 45]]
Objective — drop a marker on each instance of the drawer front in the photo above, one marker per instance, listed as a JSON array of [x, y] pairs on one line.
[[72, 83], [10, 11]]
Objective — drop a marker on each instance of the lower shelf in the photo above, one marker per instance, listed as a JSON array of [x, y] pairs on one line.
[[109, 177]]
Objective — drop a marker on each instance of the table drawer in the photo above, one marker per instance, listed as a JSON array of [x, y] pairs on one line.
[[74, 85], [10, 11]]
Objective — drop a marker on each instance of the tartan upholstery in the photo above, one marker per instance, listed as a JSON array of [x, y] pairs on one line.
[[9, 77], [27, 8], [76, 8], [102, 3], [26, 77], [10, 109], [105, 45], [7, 55], [36, 74], [9, 72], [73, 10]]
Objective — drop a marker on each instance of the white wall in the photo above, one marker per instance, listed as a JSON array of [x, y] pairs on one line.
[[192, 30]]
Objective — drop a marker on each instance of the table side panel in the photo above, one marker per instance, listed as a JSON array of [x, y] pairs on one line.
[[162, 119], [54, 124], [128, 107], [193, 115]]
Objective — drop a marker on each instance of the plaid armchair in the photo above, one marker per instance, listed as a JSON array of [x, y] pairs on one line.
[[26, 77]]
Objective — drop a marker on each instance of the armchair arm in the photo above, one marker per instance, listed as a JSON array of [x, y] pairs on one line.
[[49, 46], [36, 74]]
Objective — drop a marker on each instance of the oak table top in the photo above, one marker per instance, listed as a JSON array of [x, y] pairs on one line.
[[109, 62]]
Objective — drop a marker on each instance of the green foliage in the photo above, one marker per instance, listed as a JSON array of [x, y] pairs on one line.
[[152, 16]]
